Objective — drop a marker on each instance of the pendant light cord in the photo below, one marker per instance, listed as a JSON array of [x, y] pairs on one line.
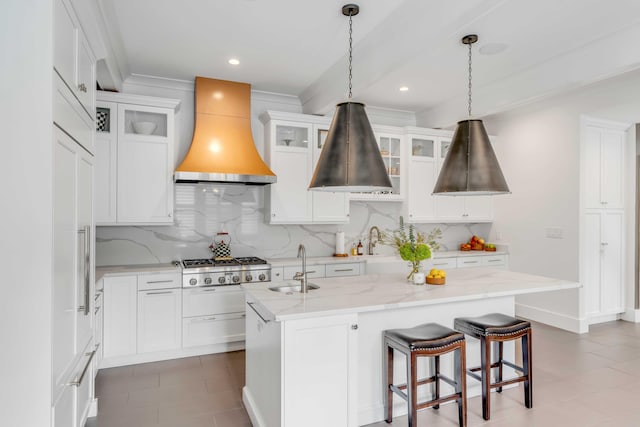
[[470, 80], [350, 51]]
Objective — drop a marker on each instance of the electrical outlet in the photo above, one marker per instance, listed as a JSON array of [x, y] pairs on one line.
[[554, 232]]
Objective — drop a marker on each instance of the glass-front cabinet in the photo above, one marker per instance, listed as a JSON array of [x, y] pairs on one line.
[[390, 142]]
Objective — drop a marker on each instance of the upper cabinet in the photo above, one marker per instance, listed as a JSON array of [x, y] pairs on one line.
[[73, 58], [293, 143], [604, 160], [134, 159], [391, 143]]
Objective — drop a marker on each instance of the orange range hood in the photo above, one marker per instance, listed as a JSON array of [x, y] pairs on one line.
[[222, 149]]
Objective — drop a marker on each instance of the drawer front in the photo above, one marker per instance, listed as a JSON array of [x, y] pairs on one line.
[[159, 281], [69, 115], [207, 330], [313, 271], [344, 269], [442, 263], [212, 300], [469, 261], [494, 261]]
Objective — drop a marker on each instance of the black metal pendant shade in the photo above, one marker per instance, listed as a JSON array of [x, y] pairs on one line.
[[350, 160], [471, 167]]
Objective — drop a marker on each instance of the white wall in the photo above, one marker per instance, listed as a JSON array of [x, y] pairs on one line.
[[26, 217]]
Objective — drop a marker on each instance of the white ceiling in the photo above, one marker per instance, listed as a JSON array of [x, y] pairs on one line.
[[299, 47]]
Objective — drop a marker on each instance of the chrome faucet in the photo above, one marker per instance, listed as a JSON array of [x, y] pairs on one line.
[[302, 276], [372, 243]]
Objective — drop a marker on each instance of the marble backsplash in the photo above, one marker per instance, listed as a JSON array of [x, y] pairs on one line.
[[201, 210]]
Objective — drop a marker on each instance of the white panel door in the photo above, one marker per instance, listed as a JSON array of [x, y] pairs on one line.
[[85, 77], [591, 167], [291, 201], [65, 42], [106, 179], [612, 169], [478, 208], [65, 241], [612, 274], [329, 345], [159, 320], [120, 326], [423, 172], [592, 267]]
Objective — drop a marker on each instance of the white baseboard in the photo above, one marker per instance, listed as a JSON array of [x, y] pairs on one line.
[[93, 408], [252, 409], [602, 318], [558, 320], [631, 315], [111, 362]]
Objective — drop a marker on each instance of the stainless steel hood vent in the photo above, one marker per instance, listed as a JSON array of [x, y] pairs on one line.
[[222, 149]]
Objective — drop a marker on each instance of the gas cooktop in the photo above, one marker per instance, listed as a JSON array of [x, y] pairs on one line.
[[231, 271]]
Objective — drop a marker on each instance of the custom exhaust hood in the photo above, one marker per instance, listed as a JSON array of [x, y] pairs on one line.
[[222, 149]]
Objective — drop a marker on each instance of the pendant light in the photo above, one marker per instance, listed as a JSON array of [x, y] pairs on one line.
[[350, 160], [471, 167]]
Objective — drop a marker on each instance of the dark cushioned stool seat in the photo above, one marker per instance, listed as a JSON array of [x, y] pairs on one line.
[[493, 330], [427, 336], [490, 324], [428, 340]]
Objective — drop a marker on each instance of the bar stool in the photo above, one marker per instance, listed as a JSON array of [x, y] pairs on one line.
[[495, 329], [429, 340]]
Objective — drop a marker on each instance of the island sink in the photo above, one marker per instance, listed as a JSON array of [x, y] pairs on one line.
[[287, 289]]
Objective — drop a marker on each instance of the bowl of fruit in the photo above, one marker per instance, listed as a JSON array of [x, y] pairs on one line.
[[474, 244], [490, 247], [436, 277]]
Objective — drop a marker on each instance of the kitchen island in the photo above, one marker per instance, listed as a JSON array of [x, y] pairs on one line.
[[316, 359]]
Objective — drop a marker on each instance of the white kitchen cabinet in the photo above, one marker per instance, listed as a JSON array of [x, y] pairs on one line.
[[159, 320], [469, 261], [444, 263], [422, 161], [603, 278], [460, 208], [391, 143], [74, 60], [293, 143], [134, 174], [120, 316], [328, 344], [604, 167]]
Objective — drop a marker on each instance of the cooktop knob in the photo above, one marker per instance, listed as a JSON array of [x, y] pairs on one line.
[[262, 277], [193, 282], [221, 279], [236, 279], [207, 281], [248, 278]]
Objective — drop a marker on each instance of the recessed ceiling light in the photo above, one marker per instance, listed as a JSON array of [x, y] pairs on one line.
[[234, 61], [404, 88], [492, 48]]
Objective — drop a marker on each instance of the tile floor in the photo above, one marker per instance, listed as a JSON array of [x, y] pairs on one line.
[[580, 380]]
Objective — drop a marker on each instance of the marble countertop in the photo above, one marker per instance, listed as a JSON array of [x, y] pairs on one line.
[[125, 270], [283, 262], [345, 295]]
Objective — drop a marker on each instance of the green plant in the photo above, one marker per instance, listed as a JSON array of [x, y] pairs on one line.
[[413, 246]]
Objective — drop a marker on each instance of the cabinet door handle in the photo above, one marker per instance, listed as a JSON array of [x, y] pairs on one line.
[[494, 260], [86, 265], [159, 293], [209, 290], [343, 269], [354, 327], [78, 381], [82, 87], [604, 244], [470, 262], [440, 263], [159, 281], [250, 304], [311, 271]]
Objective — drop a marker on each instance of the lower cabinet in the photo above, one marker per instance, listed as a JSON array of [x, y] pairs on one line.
[[278, 394], [159, 320]]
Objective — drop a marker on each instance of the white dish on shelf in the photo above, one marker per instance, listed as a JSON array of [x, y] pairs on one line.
[[144, 128]]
